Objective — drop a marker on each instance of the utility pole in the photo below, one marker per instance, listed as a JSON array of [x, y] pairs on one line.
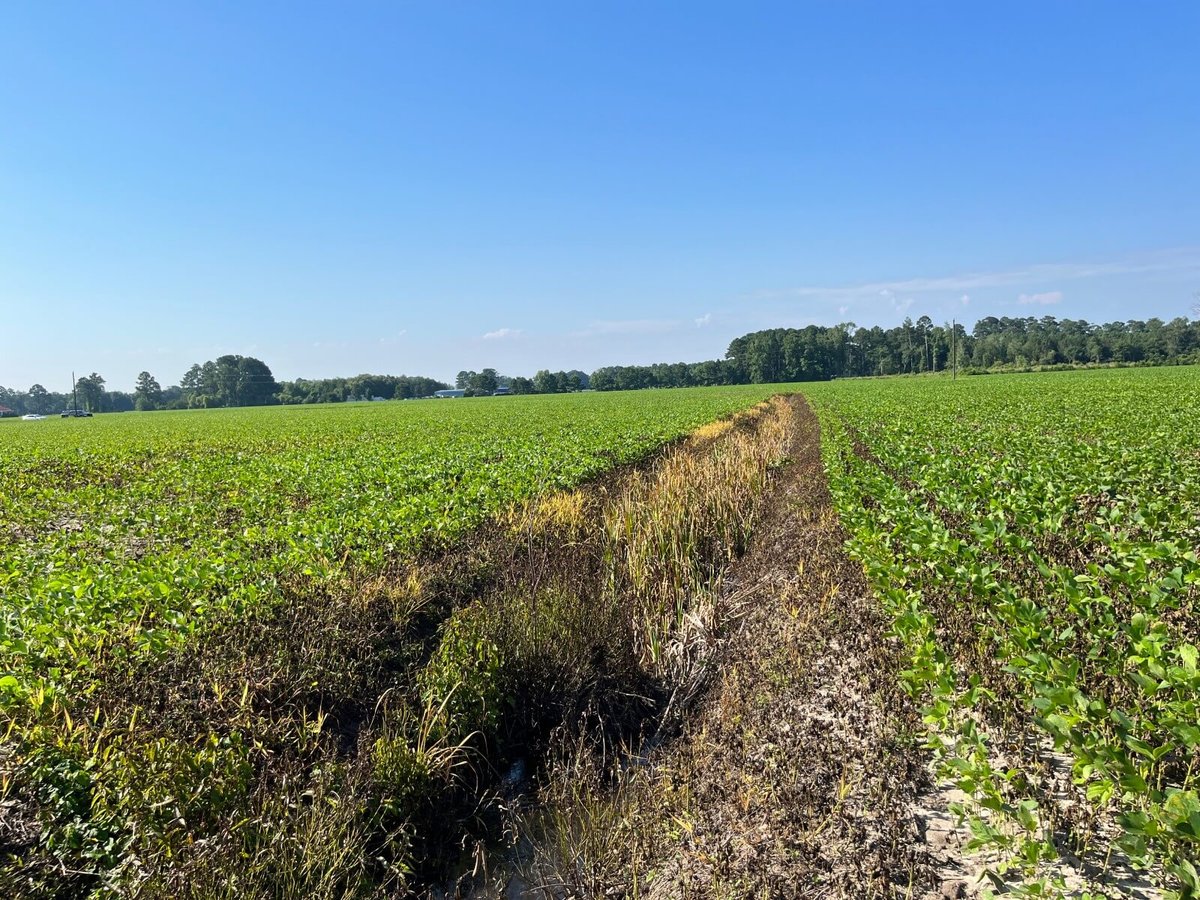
[[953, 348]]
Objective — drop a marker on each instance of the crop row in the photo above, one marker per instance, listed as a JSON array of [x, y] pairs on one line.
[[1036, 541]]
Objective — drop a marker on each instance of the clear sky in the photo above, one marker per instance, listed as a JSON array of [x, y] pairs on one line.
[[420, 188]]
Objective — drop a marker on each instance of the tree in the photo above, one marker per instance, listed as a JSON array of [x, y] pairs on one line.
[[231, 380], [172, 397], [14, 400], [191, 385], [91, 392], [545, 382], [364, 387], [38, 400], [227, 380], [924, 327], [119, 401], [485, 382], [147, 392], [256, 385]]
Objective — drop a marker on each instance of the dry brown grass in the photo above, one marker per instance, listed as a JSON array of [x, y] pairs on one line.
[[667, 538], [677, 526]]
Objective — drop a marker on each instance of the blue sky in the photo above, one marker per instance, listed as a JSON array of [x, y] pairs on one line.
[[423, 187]]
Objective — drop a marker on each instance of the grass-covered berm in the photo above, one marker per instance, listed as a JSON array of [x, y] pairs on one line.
[[359, 720], [793, 772]]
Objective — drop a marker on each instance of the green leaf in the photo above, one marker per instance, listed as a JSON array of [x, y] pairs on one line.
[[1188, 656]]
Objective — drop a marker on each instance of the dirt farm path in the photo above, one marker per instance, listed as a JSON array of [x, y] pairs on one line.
[[802, 767]]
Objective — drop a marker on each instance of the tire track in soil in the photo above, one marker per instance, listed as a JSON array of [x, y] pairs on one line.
[[802, 769]]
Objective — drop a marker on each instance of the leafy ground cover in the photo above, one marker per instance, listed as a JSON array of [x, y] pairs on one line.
[[317, 652], [1035, 540], [278, 650], [127, 532]]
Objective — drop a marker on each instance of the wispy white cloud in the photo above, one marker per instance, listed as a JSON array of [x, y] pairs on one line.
[[501, 333], [1045, 298], [703, 320], [965, 299], [1178, 260], [631, 326]]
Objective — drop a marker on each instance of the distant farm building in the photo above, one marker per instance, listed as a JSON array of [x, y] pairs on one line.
[[450, 393], [5, 411]]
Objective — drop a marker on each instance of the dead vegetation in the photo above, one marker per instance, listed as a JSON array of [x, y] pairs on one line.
[[796, 776]]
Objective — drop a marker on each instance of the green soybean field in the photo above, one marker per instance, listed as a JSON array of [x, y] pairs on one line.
[[1035, 540], [374, 649], [126, 532], [210, 617]]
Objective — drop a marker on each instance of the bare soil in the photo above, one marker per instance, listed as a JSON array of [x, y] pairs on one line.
[[801, 773]]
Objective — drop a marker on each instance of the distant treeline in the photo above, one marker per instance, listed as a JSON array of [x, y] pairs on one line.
[[227, 381], [819, 353], [89, 391], [544, 382], [360, 387], [815, 353]]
